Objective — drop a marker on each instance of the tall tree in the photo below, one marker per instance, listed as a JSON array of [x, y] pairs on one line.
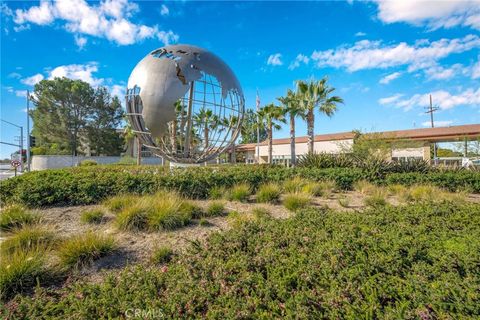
[[292, 106], [272, 115], [316, 95], [70, 112], [250, 124]]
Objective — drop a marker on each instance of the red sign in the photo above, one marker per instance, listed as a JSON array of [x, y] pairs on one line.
[[16, 163]]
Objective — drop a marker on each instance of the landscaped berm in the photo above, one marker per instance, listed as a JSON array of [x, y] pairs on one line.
[[241, 242]]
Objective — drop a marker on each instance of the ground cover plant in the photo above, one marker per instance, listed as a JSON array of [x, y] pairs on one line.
[[414, 261], [16, 216], [89, 185]]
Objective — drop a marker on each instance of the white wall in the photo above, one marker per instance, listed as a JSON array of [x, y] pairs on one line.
[[55, 162], [336, 147], [408, 152]]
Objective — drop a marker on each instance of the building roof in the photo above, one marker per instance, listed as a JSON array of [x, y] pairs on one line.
[[425, 134]]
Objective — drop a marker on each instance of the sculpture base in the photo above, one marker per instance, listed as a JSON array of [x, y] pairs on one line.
[[184, 165]]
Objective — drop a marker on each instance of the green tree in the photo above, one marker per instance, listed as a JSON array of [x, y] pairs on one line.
[[70, 112], [316, 95], [272, 115], [249, 128], [292, 106]]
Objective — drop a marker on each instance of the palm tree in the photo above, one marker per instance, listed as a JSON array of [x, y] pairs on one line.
[[173, 136], [271, 114], [316, 95], [207, 120], [294, 109]]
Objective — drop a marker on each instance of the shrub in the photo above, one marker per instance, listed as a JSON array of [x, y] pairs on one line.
[[83, 249], [21, 270], [239, 192], [168, 212], [268, 193], [325, 160], [27, 238], [127, 160], [365, 187], [215, 208], [15, 216], [88, 163], [162, 255], [296, 201], [118, 203], [294, 185], [92, 216], [413, 261], [191, 209]]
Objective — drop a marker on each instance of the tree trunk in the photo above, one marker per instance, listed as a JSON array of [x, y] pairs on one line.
[[233, 154], [270, 143], [292, 140], [206, 137], [173, 137], [310, 124]]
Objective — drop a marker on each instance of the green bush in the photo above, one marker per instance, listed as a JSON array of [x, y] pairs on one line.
[[162, 255], [83, 249], [296, 184], [118, 203], [89, 185], [296, 201], [16, 216], [133, 218], [92, 216], [408, 262], [88, 163], [217, 193], [27, 238], [268, 193]]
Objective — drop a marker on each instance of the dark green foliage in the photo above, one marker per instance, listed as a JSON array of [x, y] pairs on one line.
[[413, 262], [325, 160], [90, 185]]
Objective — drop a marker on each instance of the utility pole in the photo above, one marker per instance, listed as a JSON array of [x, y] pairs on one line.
[[20, 142], [28, 131], [431, 109]]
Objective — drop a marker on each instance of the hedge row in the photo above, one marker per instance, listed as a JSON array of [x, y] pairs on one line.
[[77, 186]]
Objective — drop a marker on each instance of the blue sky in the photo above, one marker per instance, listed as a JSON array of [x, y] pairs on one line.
[[384, 58]]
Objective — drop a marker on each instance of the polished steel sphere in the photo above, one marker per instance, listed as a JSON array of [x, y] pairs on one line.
[[184, 103]]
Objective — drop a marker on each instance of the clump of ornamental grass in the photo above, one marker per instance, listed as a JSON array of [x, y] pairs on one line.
[[327, 187], [118, 203], [217, 193], [237, 219], [429, 193], [344, 202], [268, 193], [94, 216], [215, 208], [161, 211], [377, 198], [365, 187], [204, 222], [294, 185], [397, 189], [83, 249], [162, 255], [22, 270], [27, 238], [316, 189], [16, 216], [239, 192], [260, 213], [296, 201]]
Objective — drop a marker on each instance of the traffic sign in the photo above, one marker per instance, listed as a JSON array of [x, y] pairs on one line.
[[16, 163]]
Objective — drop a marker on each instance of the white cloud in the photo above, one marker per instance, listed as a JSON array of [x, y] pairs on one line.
[[275, 60], [21, 93], [109, 19], [164, 11], [444, 123], [80, 41], [434, 15], [118, 90], [368, 54], [31, 81], [82, 72], [438, 72], [15, 75], [298, 60], [390, 77], [441, 98], [391, 99], [360, 34], [476, 69]]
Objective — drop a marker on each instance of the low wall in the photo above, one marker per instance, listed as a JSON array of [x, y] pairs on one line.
[[56, 162]]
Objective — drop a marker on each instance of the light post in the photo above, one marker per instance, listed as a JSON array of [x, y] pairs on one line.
[[28, 131], [20, 144]]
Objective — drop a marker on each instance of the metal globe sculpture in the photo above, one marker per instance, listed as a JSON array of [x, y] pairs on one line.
[[184, 103]]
